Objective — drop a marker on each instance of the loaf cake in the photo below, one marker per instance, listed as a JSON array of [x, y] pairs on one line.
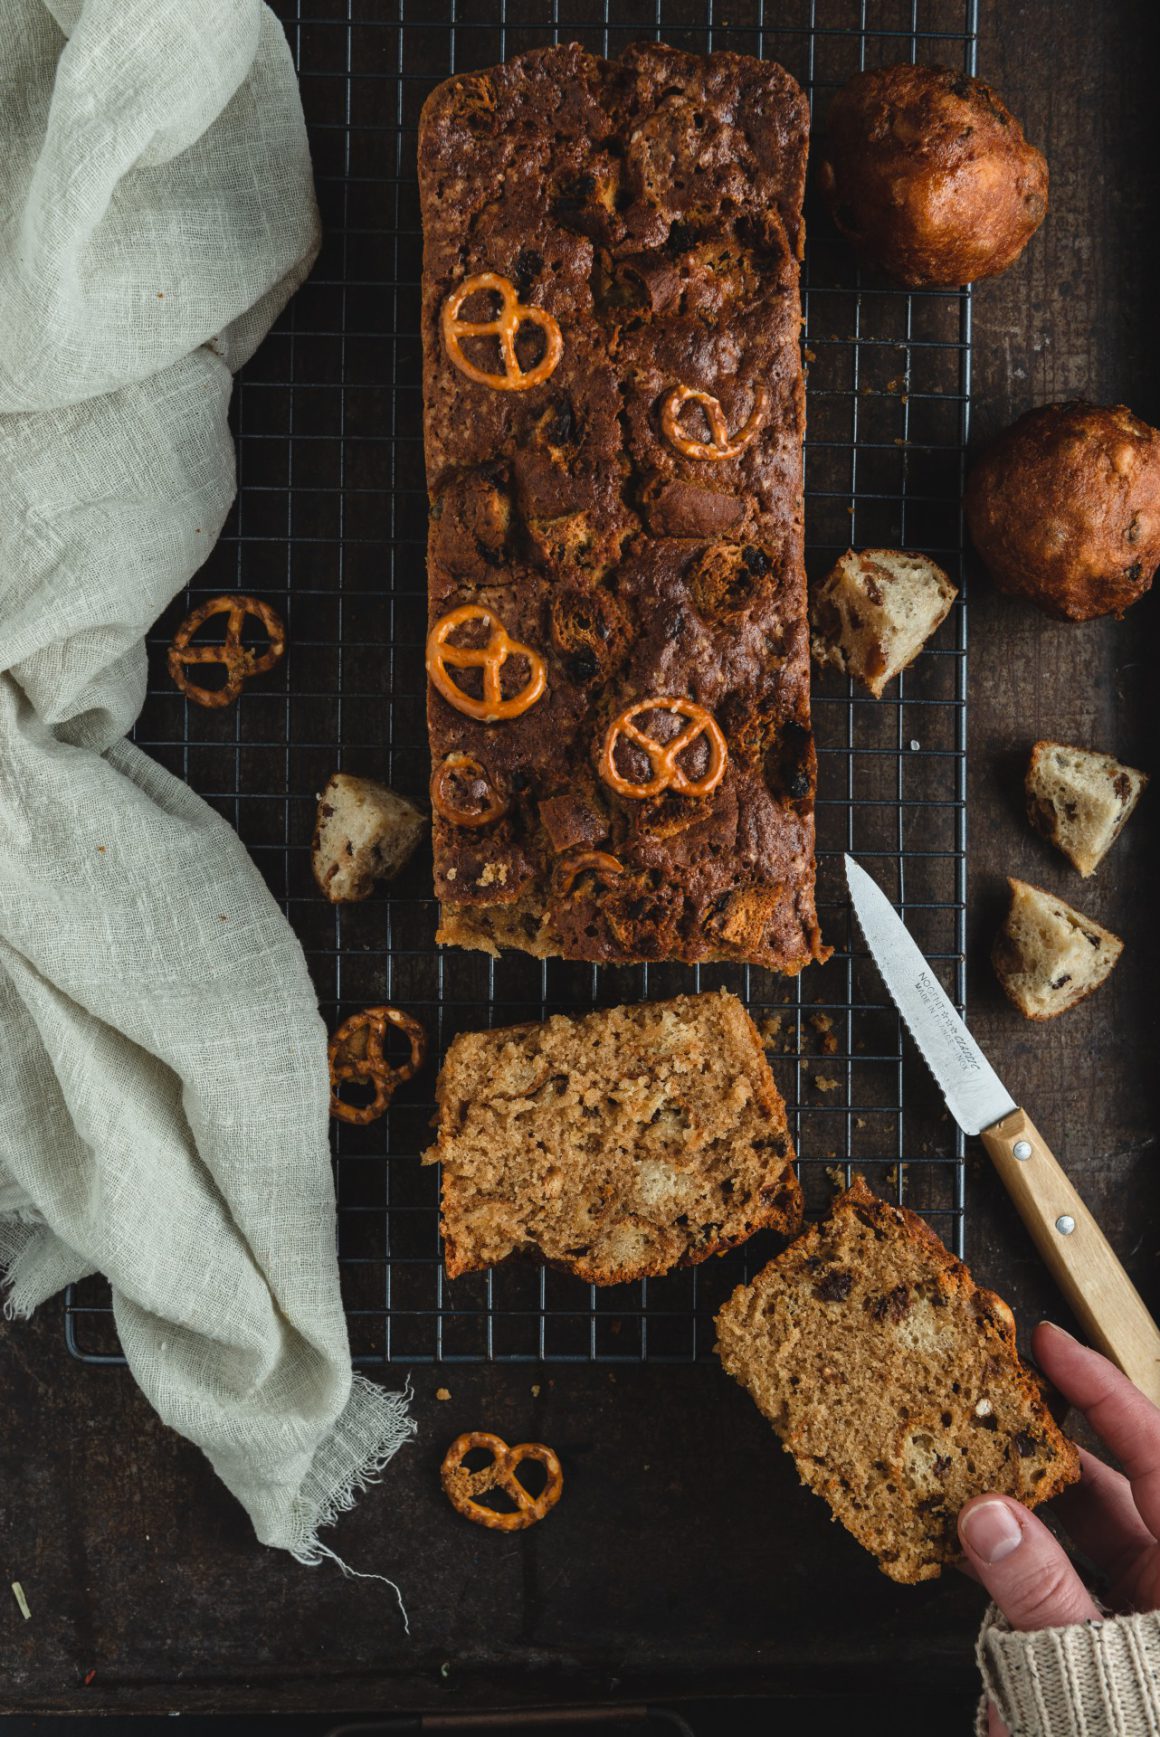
[[614, 412], [875, 610], [894, 1382], [1080, 800], [616, 1145], [364, 833], [1049, 956]]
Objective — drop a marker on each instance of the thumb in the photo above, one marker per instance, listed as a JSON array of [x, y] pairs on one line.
[[1026, 1571]]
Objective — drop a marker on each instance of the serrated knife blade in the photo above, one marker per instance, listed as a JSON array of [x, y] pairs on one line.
[[1082, 1260], [976, 1096]]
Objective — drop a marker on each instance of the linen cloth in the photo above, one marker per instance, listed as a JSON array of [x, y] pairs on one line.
[[1094, 1679], [163, 1081]]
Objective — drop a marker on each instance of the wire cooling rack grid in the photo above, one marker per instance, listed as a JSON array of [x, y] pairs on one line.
[[330, 527]]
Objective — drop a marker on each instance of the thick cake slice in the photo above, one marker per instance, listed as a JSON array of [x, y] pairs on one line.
[[617, 1145], [893, 1380], [623, 766]]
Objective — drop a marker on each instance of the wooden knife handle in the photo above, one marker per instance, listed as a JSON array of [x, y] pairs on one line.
[[1082, 1261]]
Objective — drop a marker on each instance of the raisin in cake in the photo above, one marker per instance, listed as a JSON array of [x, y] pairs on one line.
[[614, 414], [894, 1382], [617, 1145]]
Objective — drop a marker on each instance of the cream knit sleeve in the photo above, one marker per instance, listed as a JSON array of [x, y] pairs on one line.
[[1097, 1679]]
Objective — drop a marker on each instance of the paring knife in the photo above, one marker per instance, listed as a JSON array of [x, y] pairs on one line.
[[1081, 1259]]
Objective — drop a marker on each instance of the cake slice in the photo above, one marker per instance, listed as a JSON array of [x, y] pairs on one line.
[[616, 1145], [874, 611], [893, 1380], [1080, 800], [1048, 956]]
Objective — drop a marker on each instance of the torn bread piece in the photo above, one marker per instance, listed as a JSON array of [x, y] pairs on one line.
[[363, 833], [893, 1380], [1048, 956], [875, 610], [617, 1145], [1080, 800]]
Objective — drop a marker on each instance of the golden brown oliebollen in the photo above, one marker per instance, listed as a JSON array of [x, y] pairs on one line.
[[618, 656], [894, 1381], [616, 1145]]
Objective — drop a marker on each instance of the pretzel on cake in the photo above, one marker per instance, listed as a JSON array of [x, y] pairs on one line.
[[463, 1488], [664, 757], [720, 443], [489, 658], [466, 769], [505, 326]]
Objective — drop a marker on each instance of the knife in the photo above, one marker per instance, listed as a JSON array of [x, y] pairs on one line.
[[1081, 1259]]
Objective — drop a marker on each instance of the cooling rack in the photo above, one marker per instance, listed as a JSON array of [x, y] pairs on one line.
[[330, 527]]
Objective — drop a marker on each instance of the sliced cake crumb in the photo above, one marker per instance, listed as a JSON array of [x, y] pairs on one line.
[[1080, 800], [875, 610], [894, 1381], [1048, 956], [363, 833], [617, 1145]]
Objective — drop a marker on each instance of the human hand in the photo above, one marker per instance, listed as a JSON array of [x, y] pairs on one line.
[[1113, 1519]]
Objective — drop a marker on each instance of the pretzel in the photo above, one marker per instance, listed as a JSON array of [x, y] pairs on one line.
[[504, 326], [663, 757], [570, 868], [464, 766], [356, 1052], [490, 658], [463, 1488], [719, 445], [241, 662]]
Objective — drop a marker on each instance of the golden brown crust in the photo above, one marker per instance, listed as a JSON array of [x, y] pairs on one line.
[[635, 520], [927, 172], [894, 1381], [1064, 509]]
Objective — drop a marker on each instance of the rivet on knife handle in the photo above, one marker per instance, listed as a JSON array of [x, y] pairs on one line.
[[1081, 1259]]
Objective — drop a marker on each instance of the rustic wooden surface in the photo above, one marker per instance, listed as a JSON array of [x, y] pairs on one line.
[[687, 1558]]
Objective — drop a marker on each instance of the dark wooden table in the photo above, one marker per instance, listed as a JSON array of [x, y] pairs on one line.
[[678, 1567]]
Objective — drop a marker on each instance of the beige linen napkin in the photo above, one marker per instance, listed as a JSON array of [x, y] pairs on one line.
[[163, 1091]]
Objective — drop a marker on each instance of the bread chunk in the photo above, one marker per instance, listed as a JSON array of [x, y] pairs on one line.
[[1080, 800], [364, 833], [617, 525], [874, 612], [893, 1380], [617, 1145], [1048, 956]]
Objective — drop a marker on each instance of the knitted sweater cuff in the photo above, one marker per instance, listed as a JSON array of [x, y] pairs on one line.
[[1096, 1679]]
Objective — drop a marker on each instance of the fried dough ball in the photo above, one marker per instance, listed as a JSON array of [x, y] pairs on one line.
[[927, 172], [1064, 509]]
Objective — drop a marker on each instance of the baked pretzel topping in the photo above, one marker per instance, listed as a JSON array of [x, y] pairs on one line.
[[463, 1488], [240, 661], [719, 445], [356, 1053], [468, 769], [490, 658], [663, 757], [505, 326], [597, 862]]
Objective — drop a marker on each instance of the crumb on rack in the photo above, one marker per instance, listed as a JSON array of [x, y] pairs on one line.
[[536, 1390], [823, 1025], [443, 1393], [827, 1083]]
